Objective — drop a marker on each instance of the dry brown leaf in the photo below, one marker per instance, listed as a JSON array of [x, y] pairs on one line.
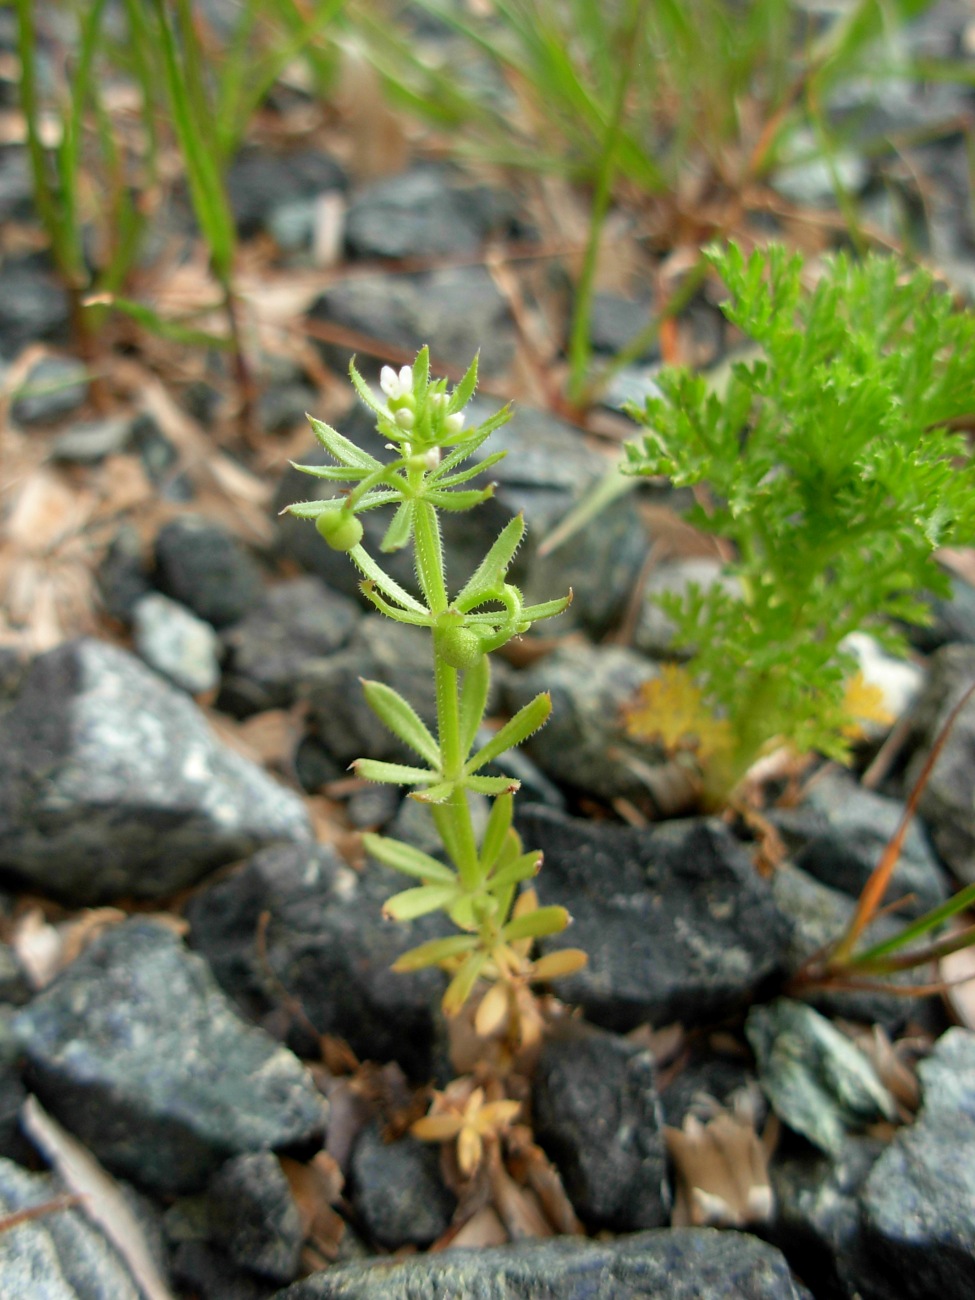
[[518, 1207], [893, 1062], [102, 1199], [529, 1164], [482, 1229], [722, 1173], [316, 1188]]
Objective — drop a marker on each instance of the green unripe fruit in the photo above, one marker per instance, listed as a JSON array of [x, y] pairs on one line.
[[461, 647], [340, 528]]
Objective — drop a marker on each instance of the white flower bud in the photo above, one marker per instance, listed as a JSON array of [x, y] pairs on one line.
[[432, 458], [404, 418], [454, 423], [396, 385]]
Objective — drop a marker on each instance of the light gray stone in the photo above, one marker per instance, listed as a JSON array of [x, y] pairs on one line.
[[176, 643]]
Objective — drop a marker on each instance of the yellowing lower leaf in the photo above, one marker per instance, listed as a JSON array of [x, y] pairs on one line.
[[670, 710]]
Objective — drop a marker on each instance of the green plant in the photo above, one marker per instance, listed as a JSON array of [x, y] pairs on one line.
[[424, 425], [675, 111], [832, 466]]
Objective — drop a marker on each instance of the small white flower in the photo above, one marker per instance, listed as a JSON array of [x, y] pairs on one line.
[[454, 423], [405, 418], [432, 458], [396, 385]]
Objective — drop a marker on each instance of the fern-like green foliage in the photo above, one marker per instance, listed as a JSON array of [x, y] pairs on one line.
[[833, 466]]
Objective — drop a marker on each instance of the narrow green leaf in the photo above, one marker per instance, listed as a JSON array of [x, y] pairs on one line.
[[387, 585], [368, 589], [151, 320], [464, 391], [492, 785], [400, 528], [523, 868], [428, 554], [421, 374], [434, 952], [423, 900], [923, 925], [401, 719], [342, 448], [517, 729], [460, 987], [435, 794], [408, 859], [489, 575], [371, 769], [333, 473], [472, 471], [537, 924], [311, 509], [365, 392], [450, 499], [547, 608], [498, 825], [465, 449], [474, 690]]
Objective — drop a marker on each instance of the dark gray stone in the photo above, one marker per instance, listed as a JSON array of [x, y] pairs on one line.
[[615, 321], [123, 575], [819, 915], [258, 182], [420, 213], [381, 650], [456, 310], [817, 1222], [54, 386], [138, 1052], [818, 1081], [284, 405], [253, 1216], [397, 1189], [212, 1275], [112, 783], [90, 441], [953, 619], [595, 1111], [946, 805], [705, 1073], [178, 645], [919, 1200], [583, 744], [677, 923], [328, 946], [33, 306], [58, 1256], [296, 621], [207, 569], [839, 832], [676, 1264]]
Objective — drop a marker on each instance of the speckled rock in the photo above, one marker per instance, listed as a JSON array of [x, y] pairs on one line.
[[679, 1264], [947, 804], [919, 1200], [111, 783], [253, 1216], [296, 621], [817, 1080], [177, 644], [60, 1256], [676, 921], [595, 1111], [839, 832], [397, 1189], [583, 744], [423, 212], [327, 944], [54, 386], [137, 1051], [207, 569]]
